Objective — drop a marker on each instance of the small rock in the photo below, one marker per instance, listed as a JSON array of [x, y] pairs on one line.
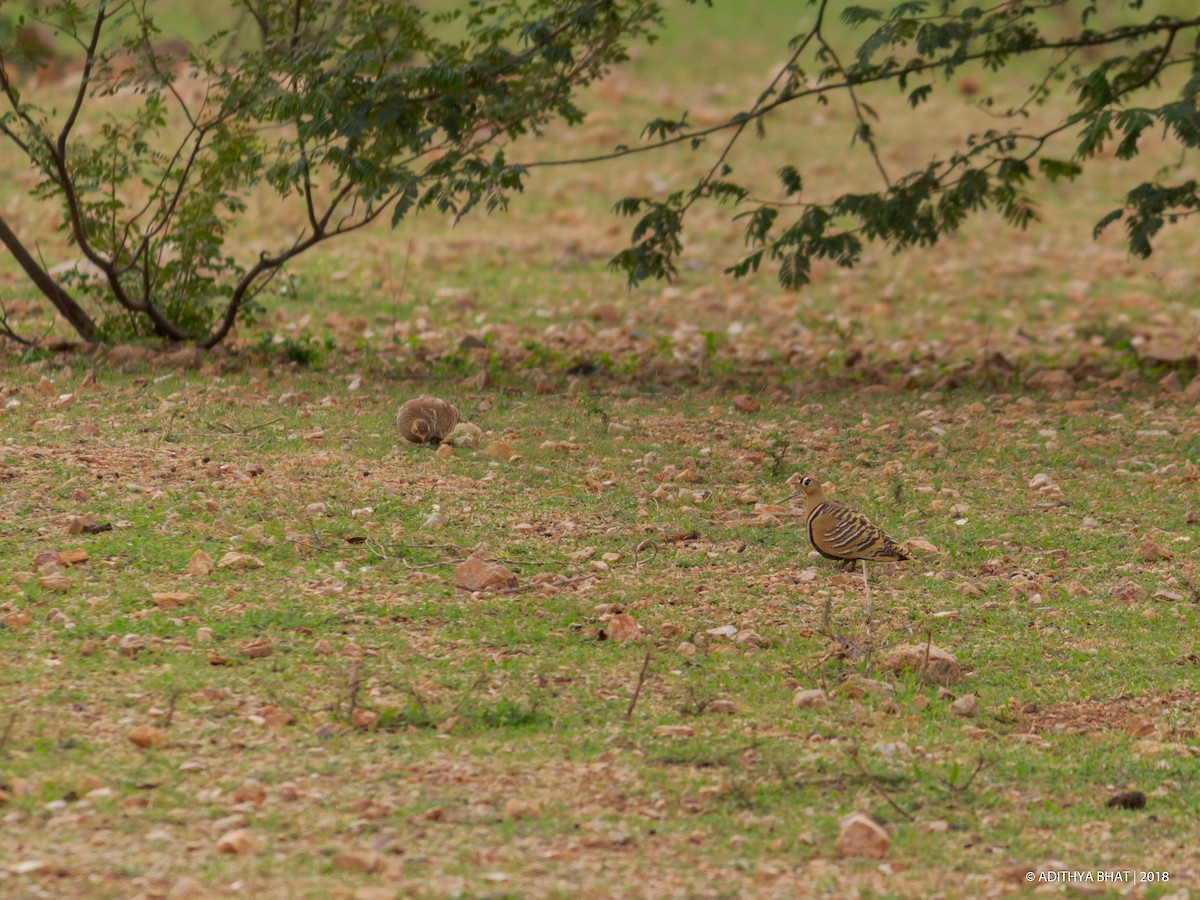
[[80, 524], [1152, 552], [436, 520], [861, 835], [277, 718], [1139, 727], [1054, 381], [122, 356], [1168, 596], [235, 560], [480, 574], [517, 809], [256, 648], [29, 867], [1128, 592], [147, 737], [444, 451], [746, 403], [499, 450], [322, 648], [56, 581], [357, 861], [623, 627], [686, 648], [239, 841], [675, 731], [722, 707], [1167, 351], [750, 637], [725, 631], [171, 599], [967, 707], [465, 435], [935, 665], [364, 719], [186, 888], [920, 544], [73, 557], [200, 564], [810, 699], [856, 686]]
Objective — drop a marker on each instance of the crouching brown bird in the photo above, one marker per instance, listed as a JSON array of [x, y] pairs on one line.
[[839, 532]]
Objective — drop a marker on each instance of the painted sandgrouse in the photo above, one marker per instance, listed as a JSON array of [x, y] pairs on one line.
[[426, 420], [841, 533]]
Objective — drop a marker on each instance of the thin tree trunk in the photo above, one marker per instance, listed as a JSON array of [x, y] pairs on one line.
[[63, 302]]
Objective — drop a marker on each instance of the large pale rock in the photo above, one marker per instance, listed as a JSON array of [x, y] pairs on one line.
[[940, 668], [479, 574], [862, 836]]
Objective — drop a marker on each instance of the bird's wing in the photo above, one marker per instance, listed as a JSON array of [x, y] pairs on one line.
[[839, 532]]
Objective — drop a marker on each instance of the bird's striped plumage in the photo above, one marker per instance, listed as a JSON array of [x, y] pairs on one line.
[[842, 533]]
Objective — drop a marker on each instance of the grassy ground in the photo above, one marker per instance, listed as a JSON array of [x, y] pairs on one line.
[[370, 730]]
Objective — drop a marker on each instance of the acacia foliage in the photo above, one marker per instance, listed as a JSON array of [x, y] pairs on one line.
[[1119, 83], [347, 110]]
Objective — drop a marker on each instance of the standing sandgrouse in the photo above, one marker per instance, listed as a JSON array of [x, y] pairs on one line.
[[841, 533]]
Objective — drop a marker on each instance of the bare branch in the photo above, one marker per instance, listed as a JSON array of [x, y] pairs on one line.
[[875, 784], [637, 691]]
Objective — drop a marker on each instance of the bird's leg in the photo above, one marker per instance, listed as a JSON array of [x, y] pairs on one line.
[[870, 619], [867, 591], [825, 629]]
